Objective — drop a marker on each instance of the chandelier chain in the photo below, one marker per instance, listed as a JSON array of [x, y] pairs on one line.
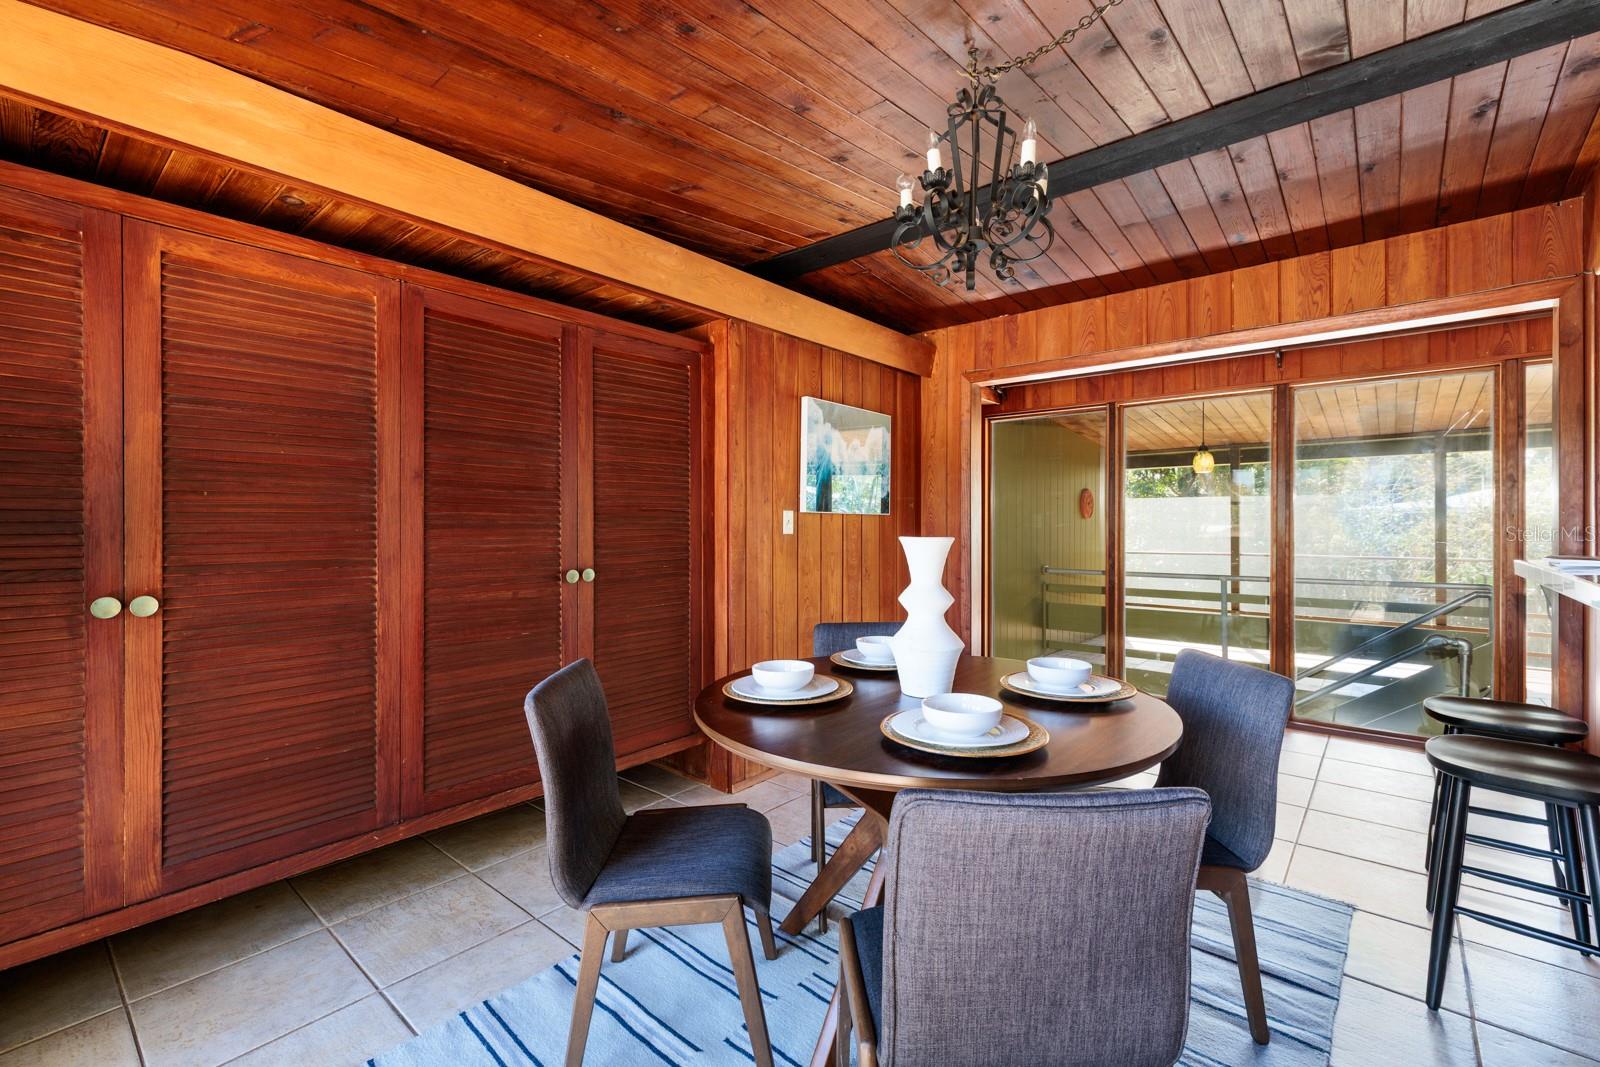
[[993, 73]]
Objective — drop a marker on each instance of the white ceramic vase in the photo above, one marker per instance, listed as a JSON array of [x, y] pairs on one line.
[[925, 648]]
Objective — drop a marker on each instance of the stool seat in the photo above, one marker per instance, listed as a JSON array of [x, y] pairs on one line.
[[1519, 767], [1507, 718]]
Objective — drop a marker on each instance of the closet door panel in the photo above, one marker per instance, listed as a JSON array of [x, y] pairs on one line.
[[262, 509], [492, 538], [60, 549], [644, 488]]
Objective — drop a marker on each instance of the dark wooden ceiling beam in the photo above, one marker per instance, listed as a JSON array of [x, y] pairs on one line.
[[1480, 42]]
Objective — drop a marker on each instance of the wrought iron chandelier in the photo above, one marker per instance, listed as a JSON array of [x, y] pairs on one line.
[[960, 222]]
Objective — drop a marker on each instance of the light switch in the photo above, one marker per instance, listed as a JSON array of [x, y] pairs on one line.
[[788, 522]]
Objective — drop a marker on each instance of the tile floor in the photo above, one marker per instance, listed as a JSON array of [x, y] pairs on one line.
[[337, 965]]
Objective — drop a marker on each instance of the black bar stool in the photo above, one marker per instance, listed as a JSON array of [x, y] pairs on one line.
[[1513, 721], [1558, 777]]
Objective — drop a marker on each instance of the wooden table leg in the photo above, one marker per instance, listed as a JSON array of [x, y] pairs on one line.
[[865, 838]]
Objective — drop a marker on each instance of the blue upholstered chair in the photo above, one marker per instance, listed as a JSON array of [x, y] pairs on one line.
[[1234, 717], [826, 639], [1026, 928], [661, 867]]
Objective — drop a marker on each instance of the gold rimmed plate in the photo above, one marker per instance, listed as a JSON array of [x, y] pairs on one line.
[[842, 689], [1022, 685], [1032, 737], [844, 660]]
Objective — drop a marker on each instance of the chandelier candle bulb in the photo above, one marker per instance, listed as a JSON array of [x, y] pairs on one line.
[[903, 183], [933, 151], [1030, 142]]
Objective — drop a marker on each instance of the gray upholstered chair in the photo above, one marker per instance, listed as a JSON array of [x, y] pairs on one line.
[[826, 639], [661, 867], [1234, 716], [1024, 928]]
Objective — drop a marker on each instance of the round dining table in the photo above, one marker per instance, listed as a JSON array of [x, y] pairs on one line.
[[841, 742]]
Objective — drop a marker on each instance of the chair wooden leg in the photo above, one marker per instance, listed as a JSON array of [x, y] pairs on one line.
[[769, 944], [619, 945], [594, 949], [841, 1038], [1234, 889], [744, 970]]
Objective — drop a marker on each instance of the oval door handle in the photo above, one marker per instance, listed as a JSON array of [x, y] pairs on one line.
[[588, 574], [142, 607], [105, 607], [572, 577]]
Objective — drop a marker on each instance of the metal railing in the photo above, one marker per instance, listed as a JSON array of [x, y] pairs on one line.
[[1470, 593]]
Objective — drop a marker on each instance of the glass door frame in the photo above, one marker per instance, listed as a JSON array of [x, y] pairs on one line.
[[1508, 444]]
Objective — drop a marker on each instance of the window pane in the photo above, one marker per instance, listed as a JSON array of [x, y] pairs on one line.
[[1393, 547], [1539, 521], [1197, 533], [1046, 556]]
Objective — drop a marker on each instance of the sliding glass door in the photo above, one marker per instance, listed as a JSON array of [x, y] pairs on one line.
[[1197, 532], [1394, 540], [1047, 536]]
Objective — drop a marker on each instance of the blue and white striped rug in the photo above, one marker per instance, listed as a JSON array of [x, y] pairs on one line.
[[673, 999]]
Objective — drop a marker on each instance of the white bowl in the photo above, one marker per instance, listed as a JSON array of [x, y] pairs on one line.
[[783, 675], [961, 714], [1058, 672], [875, 649]]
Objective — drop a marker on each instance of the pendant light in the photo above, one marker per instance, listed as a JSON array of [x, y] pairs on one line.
[[1204, 462]]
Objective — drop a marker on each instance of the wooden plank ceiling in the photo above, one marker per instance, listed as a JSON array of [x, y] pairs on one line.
[[744, 128]]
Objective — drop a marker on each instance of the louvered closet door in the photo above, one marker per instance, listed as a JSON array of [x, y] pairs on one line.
[[263, 404], [644, 504], [60, 548], [488, 396]]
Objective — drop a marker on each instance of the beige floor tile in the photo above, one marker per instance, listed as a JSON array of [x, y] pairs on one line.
[[792, 821], [664, 802], [348, 1036], [566, 922], [525, 878], [1312, 744], [433, 995], [658, 779], [1502, 1048], [1286, 825], [491, 838], [368, 881], [1276, 866], [1535, 999], [104, 1041], [1371, 886], [152, 958], [1299, 764], [1384, 780], [52, 994], [635, 796], [224, 1014], [763, 796], [1395, 757], [1374, 1026], [1356, 803], [1394, 955], [1292, 790], [797, 782], [400, 939], [1516, 944], [1373, 841]]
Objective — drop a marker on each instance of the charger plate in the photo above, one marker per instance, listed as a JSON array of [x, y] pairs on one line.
[[1037, 738], [1020, 684], [859, 665], [842, 690]]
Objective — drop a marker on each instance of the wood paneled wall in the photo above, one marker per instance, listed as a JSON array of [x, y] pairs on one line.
[[1485, 254], [768, 588]]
